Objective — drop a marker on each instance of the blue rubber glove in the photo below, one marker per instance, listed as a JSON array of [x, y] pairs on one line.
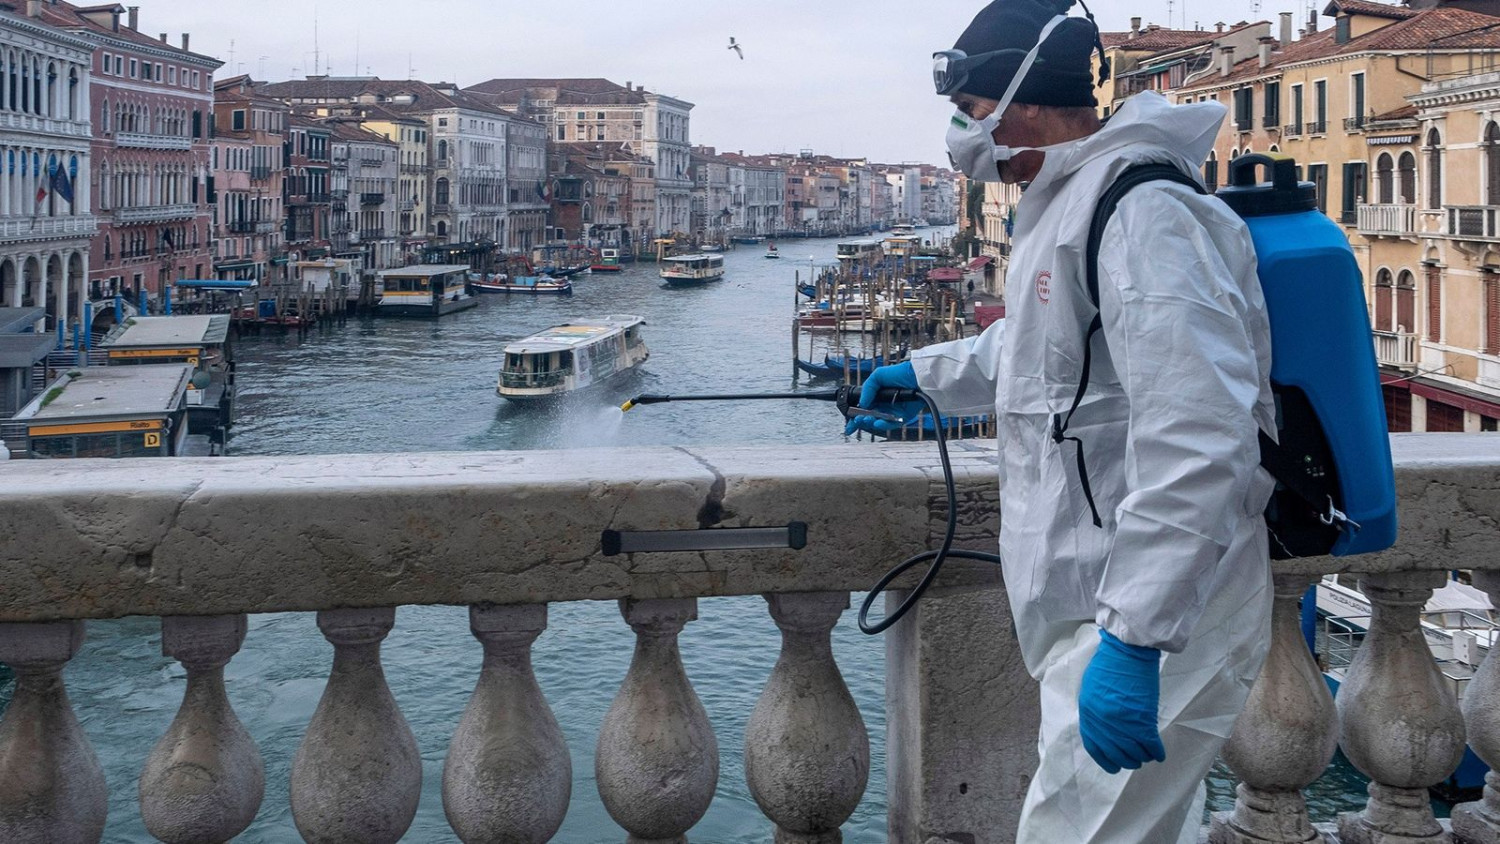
[[899, 376], [1117, 705]]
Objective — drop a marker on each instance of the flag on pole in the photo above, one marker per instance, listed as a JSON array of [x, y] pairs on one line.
[[36, 210], [62, 185]]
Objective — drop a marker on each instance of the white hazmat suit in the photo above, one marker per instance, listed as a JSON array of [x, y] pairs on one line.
[[1179, 387]]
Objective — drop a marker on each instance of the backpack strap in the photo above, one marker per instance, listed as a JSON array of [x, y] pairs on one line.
[[1132, 177]]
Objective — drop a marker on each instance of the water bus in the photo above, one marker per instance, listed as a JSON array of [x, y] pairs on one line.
[[108, 411], [608, 261], [537, 285], [902, 246], [860, 252], [572, 356], [202, 342], [424, 290], [692, 270]]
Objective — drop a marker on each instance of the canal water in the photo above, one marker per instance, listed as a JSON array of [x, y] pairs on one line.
[[394, 385]]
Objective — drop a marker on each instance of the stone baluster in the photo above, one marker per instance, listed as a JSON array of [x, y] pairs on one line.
[[508, 776], [1479, 823], [1283, 740], [52, 788], [1400, 723], [204, 779], [357, 774], [657, 762], [807, 755]]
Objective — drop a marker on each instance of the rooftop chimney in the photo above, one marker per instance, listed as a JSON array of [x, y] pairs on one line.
[[184, 40], [163, 38], [1135, 27], [1286, 29], [1219, 27], [1312, 20], [135, 16], [1265, 49], [1226, 60], [627, 84], [33, 8]]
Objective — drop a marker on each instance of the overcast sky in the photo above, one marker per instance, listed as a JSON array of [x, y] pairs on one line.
[[841, 77]]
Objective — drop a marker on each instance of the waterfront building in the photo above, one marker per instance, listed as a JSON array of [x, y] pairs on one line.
[[366, 169], [150, 102], [996, 212], [1376, 112], [764, 211], [592, 111], [592, 194], [413, 184], [939, 196], [248, 167], [46, 222], [1161, 59], [307, 186], [713, 196], [526, 184], [906, 191]]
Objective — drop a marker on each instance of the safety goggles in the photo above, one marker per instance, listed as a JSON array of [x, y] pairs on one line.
[[951, 68]]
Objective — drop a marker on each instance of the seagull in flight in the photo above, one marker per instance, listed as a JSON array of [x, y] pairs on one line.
[[736, 48]]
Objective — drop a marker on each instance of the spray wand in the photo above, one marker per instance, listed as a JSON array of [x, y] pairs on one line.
[[846, 398]]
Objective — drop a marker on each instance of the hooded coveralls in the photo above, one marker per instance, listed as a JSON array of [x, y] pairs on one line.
[[1179, 385]]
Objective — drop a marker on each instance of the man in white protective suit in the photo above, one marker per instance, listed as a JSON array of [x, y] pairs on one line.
[[1135, 551]]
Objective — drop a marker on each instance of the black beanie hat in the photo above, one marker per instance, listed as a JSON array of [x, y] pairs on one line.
[[1061, 74]]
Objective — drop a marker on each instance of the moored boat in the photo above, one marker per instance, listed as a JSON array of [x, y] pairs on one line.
[[608, 261], [532, 284], [571, 356], [692, 270], [424, 290]]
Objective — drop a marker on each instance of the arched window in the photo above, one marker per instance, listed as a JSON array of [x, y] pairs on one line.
[[74, 100], [1383, 286], [1406, 302], [442, 150], [1384, 179], [440, 192], [1434, 275], [1492, 164], [104, 117], [50, 103], [1434, 169], [1406, 169]]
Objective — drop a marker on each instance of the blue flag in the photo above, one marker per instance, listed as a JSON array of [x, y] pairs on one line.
[[62, 185]]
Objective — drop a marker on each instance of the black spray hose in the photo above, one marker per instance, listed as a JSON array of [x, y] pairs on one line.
[[847, 399]]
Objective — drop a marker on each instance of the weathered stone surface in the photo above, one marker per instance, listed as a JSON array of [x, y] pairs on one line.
[[1479, 822], [657, 762], [807, 755], [52, 788], [962, 717], [357, 774], [508, 776], [204, 780]]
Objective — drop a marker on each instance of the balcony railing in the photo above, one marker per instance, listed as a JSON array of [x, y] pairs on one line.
[[1396, 349], [47, 228], [1387, 220], [1317, 127], [251, 226], [45, 125], [371, 234], [372, 162], [1243, 124], [1292, 130], [371, 198], [1353, 124], [408, 204], [259, 173], [173, 542], [1471, 222], [145, 140], [155, 213]]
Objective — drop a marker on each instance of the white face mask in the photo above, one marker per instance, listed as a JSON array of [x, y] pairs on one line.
[[971, 143]]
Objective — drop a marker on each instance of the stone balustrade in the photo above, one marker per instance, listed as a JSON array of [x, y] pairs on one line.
[[201, 543]]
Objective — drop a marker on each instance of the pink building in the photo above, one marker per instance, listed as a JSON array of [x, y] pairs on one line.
[[150, 103]]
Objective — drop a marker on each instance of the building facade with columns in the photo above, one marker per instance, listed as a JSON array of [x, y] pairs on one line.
[[45, 153], [151, 103]]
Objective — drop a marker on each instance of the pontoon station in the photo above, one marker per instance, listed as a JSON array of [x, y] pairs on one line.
[[572, 356], [424, 290], [200, 341], [108, 411]]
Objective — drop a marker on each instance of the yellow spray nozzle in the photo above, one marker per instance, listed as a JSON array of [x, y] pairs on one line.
[[625, 408]]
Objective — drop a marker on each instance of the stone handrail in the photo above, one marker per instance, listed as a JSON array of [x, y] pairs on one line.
[[202, 542]]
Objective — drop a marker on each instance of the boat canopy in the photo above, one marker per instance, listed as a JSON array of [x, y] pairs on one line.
[[213, 284]]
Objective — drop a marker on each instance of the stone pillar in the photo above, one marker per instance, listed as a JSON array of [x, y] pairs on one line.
[[1284, 739], [807, 755], [1400, 723], [962, 719], [1479, 822], [204, 780], [357, 774], [52, 788], [657, 762], [508, 776]]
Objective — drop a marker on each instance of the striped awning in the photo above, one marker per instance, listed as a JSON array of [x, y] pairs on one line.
[[1391, 140]]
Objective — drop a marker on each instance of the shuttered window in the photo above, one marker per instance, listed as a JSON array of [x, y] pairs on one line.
[[1434, 303], [1492, 164], [1406, 303], [1444, 418], [1434, 169], [1383, 287], [1397, 409], [1491, 314]]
